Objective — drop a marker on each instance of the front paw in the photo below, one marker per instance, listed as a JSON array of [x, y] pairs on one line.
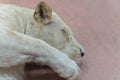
[[69, 71]]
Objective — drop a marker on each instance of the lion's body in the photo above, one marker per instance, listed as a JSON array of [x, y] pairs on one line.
[[23, 38]]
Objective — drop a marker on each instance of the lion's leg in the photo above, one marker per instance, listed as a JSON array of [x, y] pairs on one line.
[[17, 48], [10, 75], [7, 77]]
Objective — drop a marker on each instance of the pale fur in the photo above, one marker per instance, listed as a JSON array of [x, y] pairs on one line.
[[23, 40]]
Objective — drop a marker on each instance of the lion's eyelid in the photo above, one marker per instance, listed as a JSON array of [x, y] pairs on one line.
[[65, 33]]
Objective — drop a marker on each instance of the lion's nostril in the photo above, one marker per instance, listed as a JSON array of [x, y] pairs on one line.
[[82, 53]]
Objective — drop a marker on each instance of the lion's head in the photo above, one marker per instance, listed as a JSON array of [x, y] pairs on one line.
[[55, 32]]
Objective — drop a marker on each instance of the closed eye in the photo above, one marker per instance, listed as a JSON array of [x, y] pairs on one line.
[[65, 34]]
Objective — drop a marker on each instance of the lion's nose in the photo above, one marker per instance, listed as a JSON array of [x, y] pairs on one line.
[[82, 53]]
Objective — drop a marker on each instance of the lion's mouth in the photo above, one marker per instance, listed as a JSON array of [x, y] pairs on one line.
[[77, 59]]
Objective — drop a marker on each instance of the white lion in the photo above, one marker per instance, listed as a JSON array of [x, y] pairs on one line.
[[40, 36]]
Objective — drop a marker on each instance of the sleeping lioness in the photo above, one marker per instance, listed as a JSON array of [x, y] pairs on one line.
[[39, 36]]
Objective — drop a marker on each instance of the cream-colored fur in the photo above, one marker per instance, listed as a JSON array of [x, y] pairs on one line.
[[38, 35]]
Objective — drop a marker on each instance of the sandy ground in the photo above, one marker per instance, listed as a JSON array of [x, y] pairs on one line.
[[96, 24]]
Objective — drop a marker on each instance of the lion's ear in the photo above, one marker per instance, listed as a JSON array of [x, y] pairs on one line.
[[43, 13]]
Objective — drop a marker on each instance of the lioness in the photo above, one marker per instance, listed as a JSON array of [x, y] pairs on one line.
[[38, 36]]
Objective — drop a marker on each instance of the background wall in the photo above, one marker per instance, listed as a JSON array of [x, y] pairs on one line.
[[96, 24]]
